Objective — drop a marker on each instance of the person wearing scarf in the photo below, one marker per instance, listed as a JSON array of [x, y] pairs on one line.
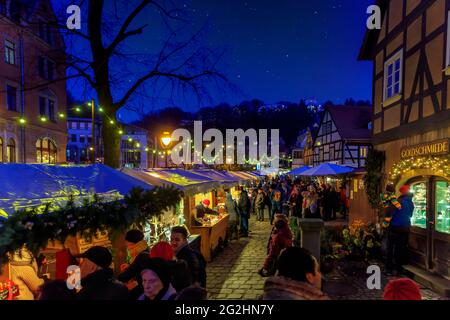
[[156, 281], [139, 251]]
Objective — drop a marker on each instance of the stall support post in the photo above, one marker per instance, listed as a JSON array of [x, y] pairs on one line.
[[311, 230]]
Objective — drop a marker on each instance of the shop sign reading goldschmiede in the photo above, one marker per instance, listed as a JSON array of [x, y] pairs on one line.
[[434, 148]]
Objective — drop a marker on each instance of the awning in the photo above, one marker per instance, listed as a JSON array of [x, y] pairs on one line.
[[327, 169], [33, 185], [189, 182], [226, 180], [298, 171]]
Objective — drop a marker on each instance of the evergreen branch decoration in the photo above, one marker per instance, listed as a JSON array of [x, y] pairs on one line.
[[374, 177], [35, 227]]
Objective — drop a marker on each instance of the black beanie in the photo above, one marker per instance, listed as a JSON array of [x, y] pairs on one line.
[[134, 236], [161, 268]]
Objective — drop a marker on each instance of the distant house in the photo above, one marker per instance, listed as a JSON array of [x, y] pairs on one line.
[[303, 152], [344, 136]]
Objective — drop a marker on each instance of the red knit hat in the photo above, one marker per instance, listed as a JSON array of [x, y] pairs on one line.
[[402, 289], [405, 189], [206, 202], [162, 250]]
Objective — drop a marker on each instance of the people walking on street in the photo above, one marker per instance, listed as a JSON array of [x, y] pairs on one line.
[[311, 203], [280, 238], [344, 205], [97, 280], [156, 280], [327, 202], [244, 211], [233, 223], [298, 277], [275, 198], [138, 250], [194, 259], [260, 205], [398, 232]]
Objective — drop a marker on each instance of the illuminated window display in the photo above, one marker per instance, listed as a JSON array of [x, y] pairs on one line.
[[419, 218], [443, 206]]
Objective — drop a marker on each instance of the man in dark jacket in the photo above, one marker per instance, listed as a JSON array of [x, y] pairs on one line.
[[244, 211], [97, 279], [195, 261], [138, 250], [398, 233]]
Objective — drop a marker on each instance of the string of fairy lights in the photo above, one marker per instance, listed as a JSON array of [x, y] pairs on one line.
[[120, 130], [439, 165]]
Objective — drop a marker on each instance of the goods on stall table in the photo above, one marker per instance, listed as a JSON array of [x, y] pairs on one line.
[[8, 290]]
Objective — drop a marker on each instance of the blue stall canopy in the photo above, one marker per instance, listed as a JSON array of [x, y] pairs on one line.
[[298, 171], [327, 169], [34, 185], [189, 182]]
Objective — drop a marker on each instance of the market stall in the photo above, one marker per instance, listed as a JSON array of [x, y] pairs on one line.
[[196, 188], [43, 189]]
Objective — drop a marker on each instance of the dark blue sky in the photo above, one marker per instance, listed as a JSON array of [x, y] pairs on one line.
[[281, 49]]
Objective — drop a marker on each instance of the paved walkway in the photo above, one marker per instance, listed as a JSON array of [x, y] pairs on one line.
[[233, 273]]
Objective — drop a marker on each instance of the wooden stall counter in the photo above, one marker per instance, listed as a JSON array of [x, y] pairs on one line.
[[211, 236]]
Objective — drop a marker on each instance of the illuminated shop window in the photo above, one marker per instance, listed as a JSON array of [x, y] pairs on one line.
[[443, 206], [419, 218], [46, 151], [11, 151]]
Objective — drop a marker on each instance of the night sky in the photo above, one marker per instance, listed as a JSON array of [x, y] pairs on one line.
[[278, 50]]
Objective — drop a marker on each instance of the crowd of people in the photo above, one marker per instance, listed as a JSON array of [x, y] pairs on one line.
[[175, 271]]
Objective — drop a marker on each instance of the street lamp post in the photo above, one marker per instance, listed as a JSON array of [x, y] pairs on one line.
[[165, 142]]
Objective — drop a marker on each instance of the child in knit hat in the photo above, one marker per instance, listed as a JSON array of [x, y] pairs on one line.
[[390, 203]]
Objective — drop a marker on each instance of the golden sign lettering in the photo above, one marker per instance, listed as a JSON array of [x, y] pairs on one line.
[[434, 148]]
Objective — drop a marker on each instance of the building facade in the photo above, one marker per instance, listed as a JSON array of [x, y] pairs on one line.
[[32, 103], [134, 148], [343, 136], [411, 117], [80, 147]]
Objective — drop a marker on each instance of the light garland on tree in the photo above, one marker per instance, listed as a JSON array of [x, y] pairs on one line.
[[440, 165]]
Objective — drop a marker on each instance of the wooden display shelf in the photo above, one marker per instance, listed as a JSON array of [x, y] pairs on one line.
[[211, 235]]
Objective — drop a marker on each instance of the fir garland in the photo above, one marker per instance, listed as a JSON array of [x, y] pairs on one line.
[[35, 228], [374, 177]]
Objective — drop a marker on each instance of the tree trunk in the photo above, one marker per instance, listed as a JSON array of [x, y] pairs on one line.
[[110, 134]]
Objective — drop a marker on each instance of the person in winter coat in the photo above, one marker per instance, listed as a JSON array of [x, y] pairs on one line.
[[180, 273], [156, 280], [280, 239], [24, 273], [97, 279], [233, 222], [138, 250], [260, 204], [195, 260], [275, 198], [310, 199], [298, 277], [254, 194], [398, 233], [244, 211], [327, 202]]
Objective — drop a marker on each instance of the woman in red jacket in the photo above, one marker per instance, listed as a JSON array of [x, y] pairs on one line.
[[280, 239]]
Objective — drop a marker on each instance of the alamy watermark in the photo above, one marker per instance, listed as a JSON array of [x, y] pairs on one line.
[[234, 150], [374, 20]]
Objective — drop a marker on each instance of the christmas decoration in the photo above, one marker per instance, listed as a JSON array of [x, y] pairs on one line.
[[8, 290], [35, 228], [439, 165]]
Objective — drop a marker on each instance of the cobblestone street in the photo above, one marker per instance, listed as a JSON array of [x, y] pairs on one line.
[[233, 273]]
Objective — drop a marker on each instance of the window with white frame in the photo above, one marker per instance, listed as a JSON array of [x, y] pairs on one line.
[[393, 76], [10, 52]]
